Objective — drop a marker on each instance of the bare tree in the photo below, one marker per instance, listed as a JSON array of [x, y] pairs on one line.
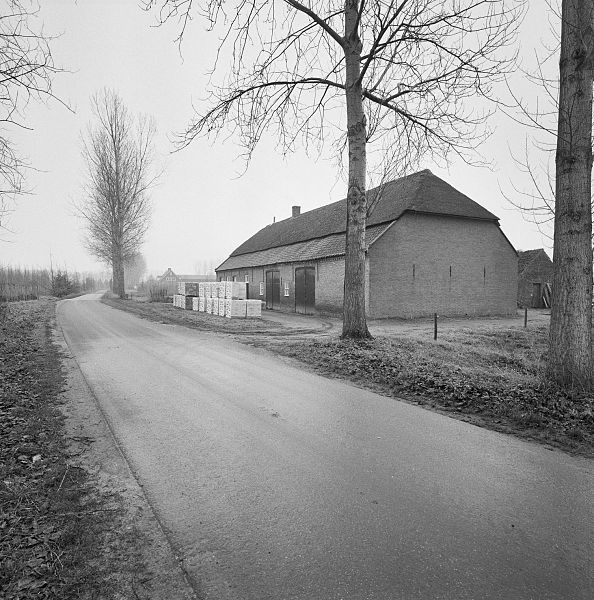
[[117, 150], [570, 352], [26, 70], [402, 74], [134, 269]]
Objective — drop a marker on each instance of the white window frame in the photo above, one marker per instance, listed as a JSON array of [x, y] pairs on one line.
[[261, 288], [247, 279], [286, 289]]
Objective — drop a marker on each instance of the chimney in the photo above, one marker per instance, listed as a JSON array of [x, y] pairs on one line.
[[296, 211]]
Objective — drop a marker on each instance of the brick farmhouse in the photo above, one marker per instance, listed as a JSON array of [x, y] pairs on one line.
[[430, 249], [535, 276]]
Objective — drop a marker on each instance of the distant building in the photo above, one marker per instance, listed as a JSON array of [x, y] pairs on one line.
[[169, 280], [430, 249], [535, 276]]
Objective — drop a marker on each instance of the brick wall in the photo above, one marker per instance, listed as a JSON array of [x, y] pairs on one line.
[[540, 270], [256, 275], [425, 264], [330, 285]]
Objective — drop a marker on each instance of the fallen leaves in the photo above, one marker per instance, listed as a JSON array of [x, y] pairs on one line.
[[38, 544]]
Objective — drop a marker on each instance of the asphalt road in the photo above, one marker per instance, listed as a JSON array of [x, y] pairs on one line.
[[274, 483]]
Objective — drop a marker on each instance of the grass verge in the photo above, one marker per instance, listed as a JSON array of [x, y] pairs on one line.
[[493, 378], [54, 525], [167, 313]]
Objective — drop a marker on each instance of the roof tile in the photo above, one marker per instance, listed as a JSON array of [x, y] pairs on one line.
[[419, 192], [329, 246]]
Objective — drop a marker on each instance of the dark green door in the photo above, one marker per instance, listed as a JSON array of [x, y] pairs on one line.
[[272, 290], [305, 290]]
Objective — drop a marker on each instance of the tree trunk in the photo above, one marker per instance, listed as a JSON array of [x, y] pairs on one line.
[[117, 265], [354, 323], [570, 351]]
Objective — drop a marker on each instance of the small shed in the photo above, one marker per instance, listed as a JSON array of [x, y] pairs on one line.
[[535, 276]]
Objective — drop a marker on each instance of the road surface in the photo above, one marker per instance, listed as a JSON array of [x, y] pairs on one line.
[[274, 483]]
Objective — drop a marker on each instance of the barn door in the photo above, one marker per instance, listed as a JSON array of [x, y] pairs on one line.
[[272, 290], [536, 295], [305, 290]]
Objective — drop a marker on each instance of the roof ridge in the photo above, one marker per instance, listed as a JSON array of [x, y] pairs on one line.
[[421, 190], [420, 181]]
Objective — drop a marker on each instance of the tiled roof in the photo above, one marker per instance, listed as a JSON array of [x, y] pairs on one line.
[[527, 256], [419, 192], [326, 247]]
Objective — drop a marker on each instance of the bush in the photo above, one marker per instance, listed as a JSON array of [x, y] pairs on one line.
[[62, 285]]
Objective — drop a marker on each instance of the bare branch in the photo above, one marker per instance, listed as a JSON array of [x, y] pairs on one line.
[[405, 78], [26, 72]]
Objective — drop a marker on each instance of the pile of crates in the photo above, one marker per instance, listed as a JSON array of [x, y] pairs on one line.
[[223, 298]]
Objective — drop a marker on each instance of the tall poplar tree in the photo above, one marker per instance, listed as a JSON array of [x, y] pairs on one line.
[[115, 206], [570, 352]]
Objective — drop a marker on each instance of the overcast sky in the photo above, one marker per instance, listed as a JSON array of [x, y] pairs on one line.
[[202, 208]]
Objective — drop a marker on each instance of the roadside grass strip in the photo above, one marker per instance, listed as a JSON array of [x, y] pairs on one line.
[[54, 526]]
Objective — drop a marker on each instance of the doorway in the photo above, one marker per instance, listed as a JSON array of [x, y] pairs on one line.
[[272, 290], [536, 296], [305, 290]]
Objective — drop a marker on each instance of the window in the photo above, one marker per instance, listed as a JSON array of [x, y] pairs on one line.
[[286, 288], [261, 288], [234, 278], [247, 278]]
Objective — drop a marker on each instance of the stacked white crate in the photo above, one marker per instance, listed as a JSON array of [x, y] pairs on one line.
[[179, 301], [225, 298], [187, 288], [253, 308], [235, 290], [235, 308], [236, 299]]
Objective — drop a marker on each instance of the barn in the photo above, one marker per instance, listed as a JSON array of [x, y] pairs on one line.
[[430, 249], [535, 276]]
